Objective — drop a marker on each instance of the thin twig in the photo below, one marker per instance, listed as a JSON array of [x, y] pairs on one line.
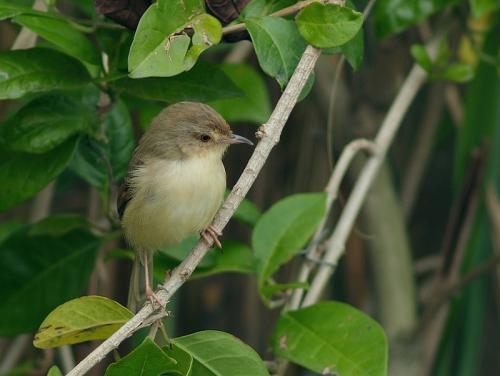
[[14, 352], [384, 138], [67, 358], [292, 9], [270, 134], [336, 178], [331, 104], [332, 190]]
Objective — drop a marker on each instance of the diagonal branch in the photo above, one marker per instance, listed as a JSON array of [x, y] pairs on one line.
[[269, 134]]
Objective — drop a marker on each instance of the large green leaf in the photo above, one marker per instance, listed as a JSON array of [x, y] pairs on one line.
[[40, 272], [148, 359], [96, 161], [46, 122], [392, 16], [236, 257], [119, 143], [59, 224], [9, 9], [217, 353], [169, 38], [332, 338], [254, 105], [328, 25], [59, 32], [83, 319], [22, 174], [8, 227], [278, 45], [38, 69], [352, 50], [205, 82], [247, 212], [283, 230]]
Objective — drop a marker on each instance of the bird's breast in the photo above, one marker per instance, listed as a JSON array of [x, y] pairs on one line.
[[172, 200]]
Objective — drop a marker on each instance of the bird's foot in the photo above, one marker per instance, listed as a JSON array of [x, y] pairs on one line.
[[153, 298], [211, 233]]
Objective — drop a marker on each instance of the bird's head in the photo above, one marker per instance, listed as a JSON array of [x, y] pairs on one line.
[[188, 129]]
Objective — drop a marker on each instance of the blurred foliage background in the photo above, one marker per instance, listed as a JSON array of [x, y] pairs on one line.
[[423, 258]]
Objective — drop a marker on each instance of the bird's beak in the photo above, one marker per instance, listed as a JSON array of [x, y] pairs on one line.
[[236, 139]]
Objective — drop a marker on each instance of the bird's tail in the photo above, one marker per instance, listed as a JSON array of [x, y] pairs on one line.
[[137, 289]]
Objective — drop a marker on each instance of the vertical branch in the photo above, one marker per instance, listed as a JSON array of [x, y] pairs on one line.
[[383, 140]]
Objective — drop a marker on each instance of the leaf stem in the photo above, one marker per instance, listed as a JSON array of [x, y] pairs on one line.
[[292, 9]]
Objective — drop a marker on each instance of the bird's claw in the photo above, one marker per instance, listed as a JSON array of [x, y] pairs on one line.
[[153, 298], [212, 234]]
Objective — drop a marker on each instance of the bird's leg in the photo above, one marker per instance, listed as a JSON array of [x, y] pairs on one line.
[[211, 233], [149, 291]]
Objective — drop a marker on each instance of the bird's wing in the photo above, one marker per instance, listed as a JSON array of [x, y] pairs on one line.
[[124, 196], [125, 193]]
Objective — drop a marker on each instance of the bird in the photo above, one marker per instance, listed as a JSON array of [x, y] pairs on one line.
[[174, 185]]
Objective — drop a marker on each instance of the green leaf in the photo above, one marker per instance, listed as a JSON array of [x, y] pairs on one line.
[[353, 50], [41, 272], [162, 45], [119, 143], [97, 160], [39, 69], [9, 9], [328, 25], [7, 228], [184, 360], [392, 16], [91, 164], [205, 82], [247, 212], [60, 33], [22, 174], [218, 353], [278, 46], [54, 371], [46, 122], [148, 359], [83, 319], [458, 72], [283, 230], [421, 56], [332, 338], [59, 225], [273, 288], [254, 105], [257, 8], [236, 257]]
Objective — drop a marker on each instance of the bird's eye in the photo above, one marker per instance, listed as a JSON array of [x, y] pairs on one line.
[[205, 137]]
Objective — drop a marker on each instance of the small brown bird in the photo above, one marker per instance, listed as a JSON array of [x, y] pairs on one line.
[[174, 185]]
